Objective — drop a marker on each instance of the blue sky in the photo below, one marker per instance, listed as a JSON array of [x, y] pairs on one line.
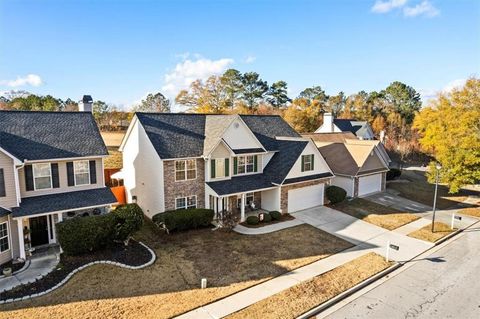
[[119, 51]]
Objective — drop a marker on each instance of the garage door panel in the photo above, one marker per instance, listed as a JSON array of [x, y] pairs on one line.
[[369, 184], [305, 197]]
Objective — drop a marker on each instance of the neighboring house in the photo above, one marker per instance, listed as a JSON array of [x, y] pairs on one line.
[[360, 167], [361, 129], [51, 168], [222, 162]]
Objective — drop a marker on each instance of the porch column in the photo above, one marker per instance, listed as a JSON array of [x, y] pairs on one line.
[[242, 208], [60, 217], [21, 242]]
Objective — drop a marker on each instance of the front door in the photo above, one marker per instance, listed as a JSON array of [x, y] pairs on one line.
[[39, 230]]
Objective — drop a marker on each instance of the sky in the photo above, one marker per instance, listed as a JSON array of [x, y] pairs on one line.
[[119, 51]]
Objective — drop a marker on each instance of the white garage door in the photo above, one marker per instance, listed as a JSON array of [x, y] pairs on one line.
[[369, 184], [305, 197]]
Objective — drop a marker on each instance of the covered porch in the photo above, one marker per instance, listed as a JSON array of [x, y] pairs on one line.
[[36, 217]]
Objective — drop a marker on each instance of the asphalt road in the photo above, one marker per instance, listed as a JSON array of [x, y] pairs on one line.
[[445, 284]]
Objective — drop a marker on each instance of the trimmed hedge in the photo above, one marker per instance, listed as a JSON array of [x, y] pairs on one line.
[[81, 235], [252, 220], [335, 194], [267, 218], [183, 219], [276, 215], [129, 219], [393, 173]]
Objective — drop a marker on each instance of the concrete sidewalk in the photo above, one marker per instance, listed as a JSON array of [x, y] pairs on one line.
[[366, 237], [40, 266]]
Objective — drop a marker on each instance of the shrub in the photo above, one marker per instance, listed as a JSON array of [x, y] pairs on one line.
[[81, 235], [267, 218], [252, 220], [335, 194], [129, 219], [185, 218], [276, 215], [393, 173]]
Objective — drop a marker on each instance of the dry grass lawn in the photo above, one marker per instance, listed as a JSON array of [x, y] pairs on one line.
[[112, 141], [230, 261], [297, 300], [425, 233], [376, 214], [422, 192], [112, 138], [472, 211]]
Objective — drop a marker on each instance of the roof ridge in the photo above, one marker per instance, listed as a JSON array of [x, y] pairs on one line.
[[46, 112]]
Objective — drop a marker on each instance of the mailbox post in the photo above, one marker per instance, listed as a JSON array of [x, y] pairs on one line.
[[390, 246]]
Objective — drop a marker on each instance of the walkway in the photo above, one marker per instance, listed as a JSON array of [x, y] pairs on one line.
[[366, 237], [40, 265]]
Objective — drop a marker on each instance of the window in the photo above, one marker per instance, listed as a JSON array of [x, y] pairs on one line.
[[246, 164], [219, 167], [248, 199], [186, 202], [4, 238], [42, 176], [307, 163], [185, 170], [81, 172]]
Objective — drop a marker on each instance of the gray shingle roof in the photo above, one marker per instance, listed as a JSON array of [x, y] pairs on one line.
[[64, 201], [3, 212], [240, 184], [339, 159], [267, 127], [175, 135], [306, 178], [50, 135], [249, 150], [359, 128]]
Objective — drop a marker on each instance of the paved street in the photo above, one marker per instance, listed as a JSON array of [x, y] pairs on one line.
[[445, 284]]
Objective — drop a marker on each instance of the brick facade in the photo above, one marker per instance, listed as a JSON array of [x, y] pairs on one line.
[[175, 189], [285, 189]]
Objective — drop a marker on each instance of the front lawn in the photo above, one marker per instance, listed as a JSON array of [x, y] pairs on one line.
[[376, 214], [472, 211], [425, 233], [230, 261], [300, 298]]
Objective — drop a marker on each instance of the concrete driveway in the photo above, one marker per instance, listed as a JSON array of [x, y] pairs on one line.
[[363, 234]]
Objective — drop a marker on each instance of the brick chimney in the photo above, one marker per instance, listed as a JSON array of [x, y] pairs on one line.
[[85, 104]]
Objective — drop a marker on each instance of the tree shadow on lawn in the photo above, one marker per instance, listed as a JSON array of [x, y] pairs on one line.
[[231, 262]]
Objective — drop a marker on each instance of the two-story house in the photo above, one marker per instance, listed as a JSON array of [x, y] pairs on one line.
[[222, 162], [51, 168]]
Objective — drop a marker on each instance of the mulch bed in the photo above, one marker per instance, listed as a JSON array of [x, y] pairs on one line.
[[133, 255], [283, 218], [15, 267]]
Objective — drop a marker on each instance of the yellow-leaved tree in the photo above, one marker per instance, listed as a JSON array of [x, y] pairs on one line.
[[450, 131]]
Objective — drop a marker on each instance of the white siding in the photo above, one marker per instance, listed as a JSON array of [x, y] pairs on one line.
[[62, 173], [10, 200], [346, 183], [326, 129], [239, 136], [143, 172], [320, 166], [271, 199]]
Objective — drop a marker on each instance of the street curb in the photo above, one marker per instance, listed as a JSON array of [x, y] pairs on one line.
[[349, 292], [73, 272]]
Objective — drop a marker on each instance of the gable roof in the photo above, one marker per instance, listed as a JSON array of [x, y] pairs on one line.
[[175, 135], [36, 135], [3, 212], [359, 128], [267, 127], [348, 159], [197, 134]]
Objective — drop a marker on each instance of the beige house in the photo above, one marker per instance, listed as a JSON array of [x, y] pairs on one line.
[[51, 168]]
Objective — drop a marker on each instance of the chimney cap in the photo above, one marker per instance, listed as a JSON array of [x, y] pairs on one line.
[[87, 99]]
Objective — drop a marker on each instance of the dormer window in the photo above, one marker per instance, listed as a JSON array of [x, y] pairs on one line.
[[42, 176]]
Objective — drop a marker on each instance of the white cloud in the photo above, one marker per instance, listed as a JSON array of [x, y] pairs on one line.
[[29, 79], [428, 94], [387, 6], [455, 84], [189, 70], [424, 8], [250, 59]]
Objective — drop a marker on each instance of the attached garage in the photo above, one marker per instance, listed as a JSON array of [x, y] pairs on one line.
[[347, 183], [369, 184], [305, 197]]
